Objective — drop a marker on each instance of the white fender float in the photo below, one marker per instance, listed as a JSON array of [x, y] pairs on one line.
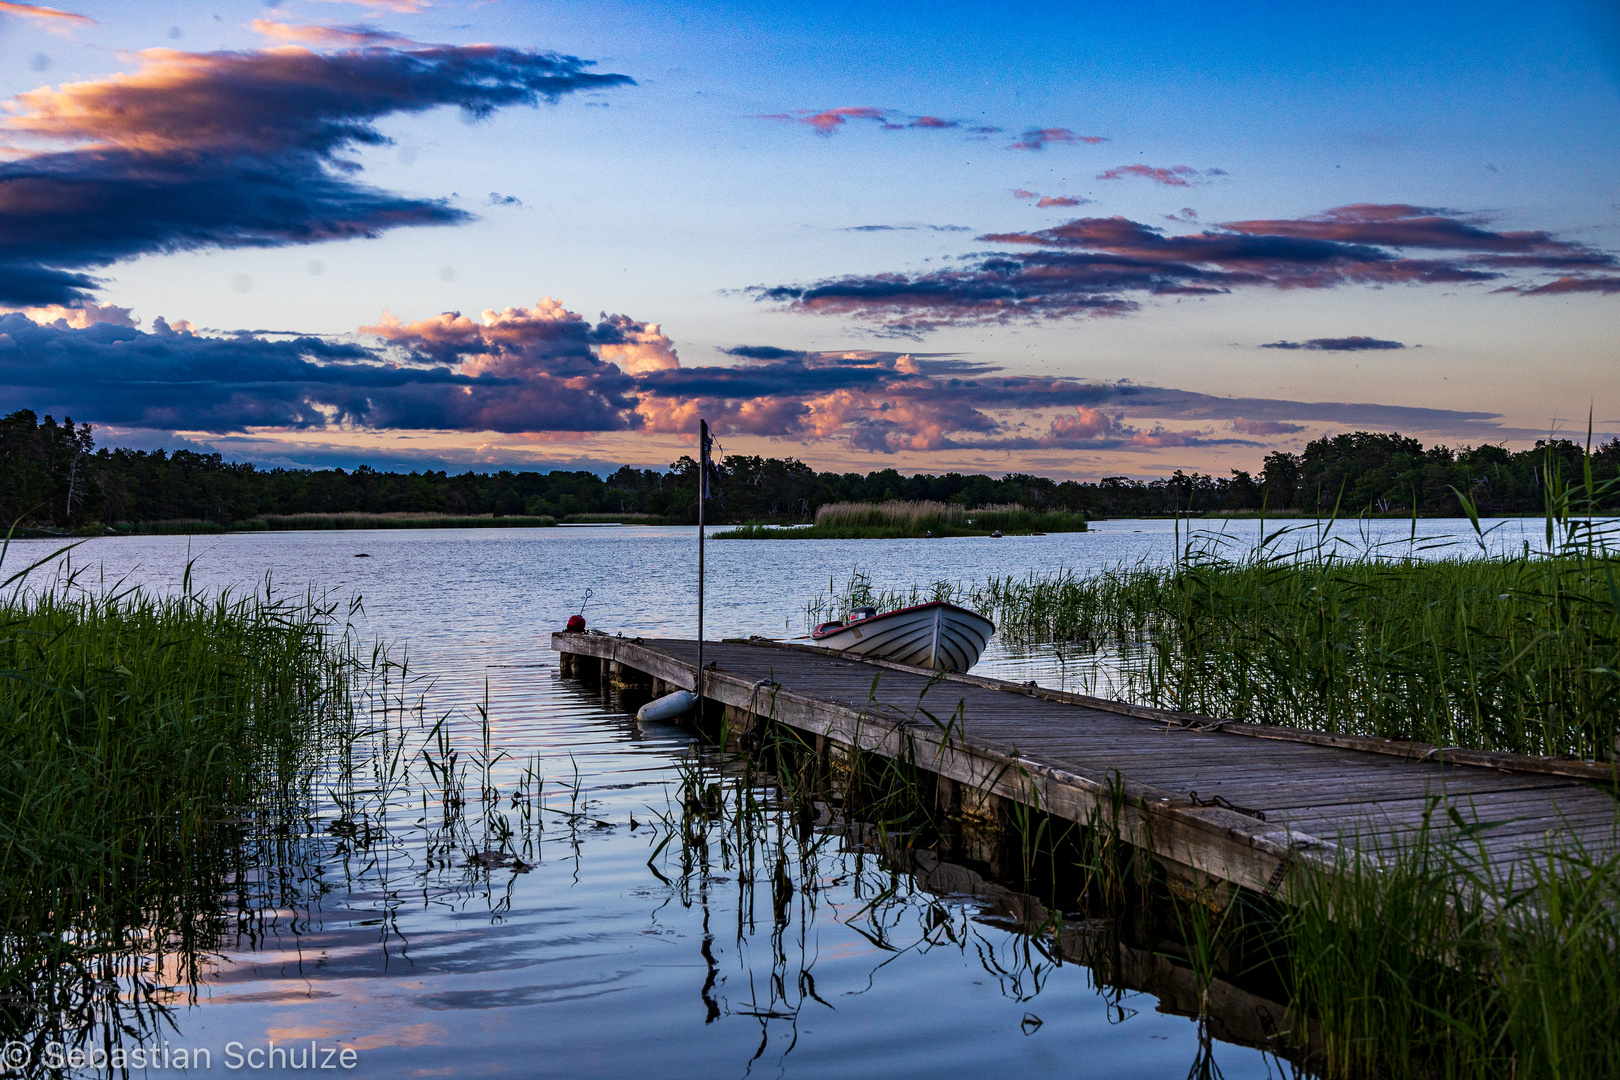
[[669, 707]]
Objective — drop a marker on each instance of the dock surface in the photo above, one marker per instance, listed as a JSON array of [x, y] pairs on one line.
[[1237, 802]]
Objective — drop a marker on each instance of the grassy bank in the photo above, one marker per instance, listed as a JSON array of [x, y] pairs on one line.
[[143, 742], [909, 520]]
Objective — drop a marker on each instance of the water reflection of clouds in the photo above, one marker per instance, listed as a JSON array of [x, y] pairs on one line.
[[556, 963], [381, 943]]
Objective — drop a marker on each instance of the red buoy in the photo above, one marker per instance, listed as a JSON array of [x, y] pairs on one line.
[[576, 624]]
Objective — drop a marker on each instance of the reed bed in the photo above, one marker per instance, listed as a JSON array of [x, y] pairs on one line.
[[915, 515], [145, 741], [899, 520], [1520, 654], [1426, 961], [1419, 961]]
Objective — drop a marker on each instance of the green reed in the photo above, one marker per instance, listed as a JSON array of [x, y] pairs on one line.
[[900, 519], [146, 744], [1426, 960], [1516, 654]]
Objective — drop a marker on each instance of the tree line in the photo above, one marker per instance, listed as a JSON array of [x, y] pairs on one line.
[[52, 475]]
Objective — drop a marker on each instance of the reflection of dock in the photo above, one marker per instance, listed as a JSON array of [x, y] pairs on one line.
[[1238, 803], [1233, 1014]]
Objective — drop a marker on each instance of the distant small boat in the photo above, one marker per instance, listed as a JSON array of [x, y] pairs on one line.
[[935, 635]]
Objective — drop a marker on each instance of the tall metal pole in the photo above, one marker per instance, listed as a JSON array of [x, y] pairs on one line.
[[703, 492]]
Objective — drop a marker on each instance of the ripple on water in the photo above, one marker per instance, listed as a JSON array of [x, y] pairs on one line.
[[587, 961]]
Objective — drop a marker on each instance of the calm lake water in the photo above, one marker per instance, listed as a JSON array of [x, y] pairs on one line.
[[597, 960]]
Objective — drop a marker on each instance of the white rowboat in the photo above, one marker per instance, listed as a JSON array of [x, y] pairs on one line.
[[935, 635]]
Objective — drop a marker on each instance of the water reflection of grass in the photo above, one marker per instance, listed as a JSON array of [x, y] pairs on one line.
[[1421, 959], [153, 750]]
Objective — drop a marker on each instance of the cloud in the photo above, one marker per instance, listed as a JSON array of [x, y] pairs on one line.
[[49, 14], [1049, 200], [763, 352], [328, 37], [1263, 427], [1038, 138], [519, 370], [642, 347], [905, 228], [1174, 176], [1336, 344], [497, 199], [234, 149], [828, 121], [1407, 226], [80, 316], [402, 7], [1103, 266], [887, 402], [544, 374], [1568, 284]]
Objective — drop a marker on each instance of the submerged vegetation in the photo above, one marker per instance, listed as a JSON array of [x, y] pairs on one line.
[[150, 746], [918, 518], [1423, 960]]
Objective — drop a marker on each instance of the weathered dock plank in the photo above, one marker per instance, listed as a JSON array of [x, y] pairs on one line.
[[1234, 801]]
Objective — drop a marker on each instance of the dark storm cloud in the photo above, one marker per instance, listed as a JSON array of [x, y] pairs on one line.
[[234, 149]]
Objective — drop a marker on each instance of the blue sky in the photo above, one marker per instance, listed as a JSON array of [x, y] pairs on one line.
[[885, 290]]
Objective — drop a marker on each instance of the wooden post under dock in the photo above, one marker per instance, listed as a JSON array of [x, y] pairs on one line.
[[1233, 802]]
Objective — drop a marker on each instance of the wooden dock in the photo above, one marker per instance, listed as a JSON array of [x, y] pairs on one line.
[[1233, 802]]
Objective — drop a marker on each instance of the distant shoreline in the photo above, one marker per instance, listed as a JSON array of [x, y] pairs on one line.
[[334, 522]]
